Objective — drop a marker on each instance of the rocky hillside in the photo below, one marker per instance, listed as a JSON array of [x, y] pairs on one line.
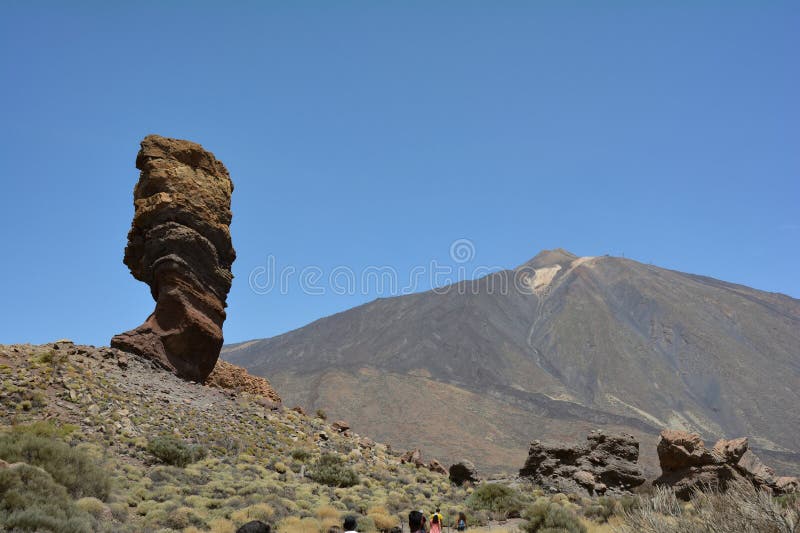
[[590, 342], [93, 439]]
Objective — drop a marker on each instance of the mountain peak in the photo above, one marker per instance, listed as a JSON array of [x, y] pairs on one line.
[[549, 258]]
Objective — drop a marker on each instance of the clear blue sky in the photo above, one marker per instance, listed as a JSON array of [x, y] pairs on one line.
[[377, 133]]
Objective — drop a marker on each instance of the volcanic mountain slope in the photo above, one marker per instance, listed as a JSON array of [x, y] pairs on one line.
[[479, 370]]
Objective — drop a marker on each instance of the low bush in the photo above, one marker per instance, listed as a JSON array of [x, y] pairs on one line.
[[175, 452], [258, 511], [383, 521], [740, 508], [300, 454], [92, 505], [500, 500], [545, 516], [600, 510], [331, 470], [365, 524], [37, 445], [31, 500]]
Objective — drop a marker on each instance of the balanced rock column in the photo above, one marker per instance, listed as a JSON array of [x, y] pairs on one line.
[[180, 245]]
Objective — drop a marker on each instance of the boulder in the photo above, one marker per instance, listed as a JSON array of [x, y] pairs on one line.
[[413, 457], [730, 451], [607, 462], [463, 472], [687, 465], [231, 377], [180, 245], [63, 344], [787, 484], [340, 426], [751, 466], [437, 467], [679, 449]]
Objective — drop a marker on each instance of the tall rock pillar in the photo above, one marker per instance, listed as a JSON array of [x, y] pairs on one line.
[[180, 245]]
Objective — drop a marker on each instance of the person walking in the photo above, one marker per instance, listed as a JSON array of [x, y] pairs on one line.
[[255, 526], [415, 519], [350, 524], [436, 523], [461, 524]]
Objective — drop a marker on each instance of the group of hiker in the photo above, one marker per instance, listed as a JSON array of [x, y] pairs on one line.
[[417, 523]]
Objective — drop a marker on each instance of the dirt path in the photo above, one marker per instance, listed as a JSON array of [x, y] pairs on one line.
[[509, 525]]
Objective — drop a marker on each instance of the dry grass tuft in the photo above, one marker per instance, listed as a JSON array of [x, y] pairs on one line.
[[741, 509]]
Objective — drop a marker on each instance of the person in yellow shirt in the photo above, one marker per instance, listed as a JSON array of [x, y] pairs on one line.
[[437, 522]]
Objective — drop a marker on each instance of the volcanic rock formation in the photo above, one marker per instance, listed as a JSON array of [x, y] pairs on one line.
[[688, 465], [606, 463], [463, 472], [235, 378], [180, 245], [437, 467]]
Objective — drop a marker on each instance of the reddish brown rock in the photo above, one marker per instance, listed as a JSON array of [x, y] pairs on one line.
[[413, 457], [605, 463], [299, 410], [687, 465], [340, 426], [787, 484], [679, 449], [180, 245], [232, 377], [730, 451], [437, 467], [752, 467]]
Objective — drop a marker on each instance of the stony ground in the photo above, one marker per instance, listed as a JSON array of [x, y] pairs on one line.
[[257, 452], [82, 448]]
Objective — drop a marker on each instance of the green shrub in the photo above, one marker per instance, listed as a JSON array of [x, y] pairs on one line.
[[299, 454], [70, 467], [600, 510], [182, 518], [629, 503], [31, 500], [174, 451], [92, 505], [498, 499], [477, 519], [365, 524], [119, 511], [331, 470], [545, 516], [788, 501], [322, 414]]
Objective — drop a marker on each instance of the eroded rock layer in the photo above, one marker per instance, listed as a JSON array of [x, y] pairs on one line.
[[687, 465], [180, 245], [235, 378], [605, 463]]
